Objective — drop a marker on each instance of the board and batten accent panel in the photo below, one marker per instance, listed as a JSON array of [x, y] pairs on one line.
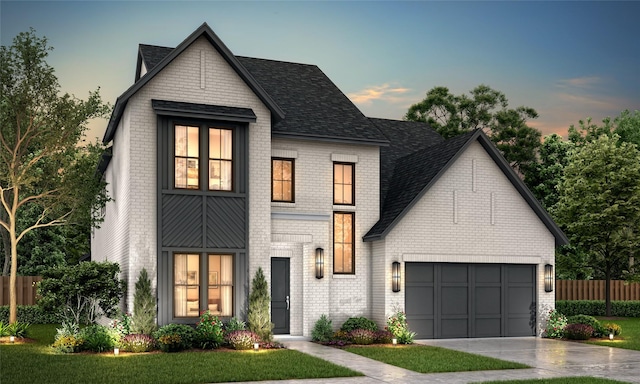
[[181, 221], [226, 222]]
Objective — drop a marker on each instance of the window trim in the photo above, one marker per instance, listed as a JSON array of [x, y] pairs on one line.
[[232, 161], [293, 180], [353, 183], [353, 242]]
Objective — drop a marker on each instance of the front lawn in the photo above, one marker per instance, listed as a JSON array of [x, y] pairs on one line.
[[428, 359], [37, 363], [559, 380], [630, 337]]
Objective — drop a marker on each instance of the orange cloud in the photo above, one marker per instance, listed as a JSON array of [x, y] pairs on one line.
[[384, 92]]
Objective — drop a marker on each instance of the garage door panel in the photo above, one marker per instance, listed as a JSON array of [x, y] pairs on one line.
[[488, 273], [487, 301], [419, 301], [418, 273], [453, 328], [520, 274], [489, 327], [454, 273], [454, 301], [519, 300]]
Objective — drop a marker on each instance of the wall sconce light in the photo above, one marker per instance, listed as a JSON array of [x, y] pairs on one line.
[[548, 278], [319, 263], [395, 276]]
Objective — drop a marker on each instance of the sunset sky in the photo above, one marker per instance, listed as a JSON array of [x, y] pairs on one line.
[[568, 60]]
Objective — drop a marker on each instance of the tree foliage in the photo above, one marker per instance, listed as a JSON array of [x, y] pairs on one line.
[[599, 204], [259, 299], [43, 171], [144, 306], [78, 291], [487, 109]]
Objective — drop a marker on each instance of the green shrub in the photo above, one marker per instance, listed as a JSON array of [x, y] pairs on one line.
[[242, 340], [398, 326], [144, 306], [210, 331], [16, 329], [121, 325], [578, 331], [322, 330], [235, 324], [597, 308], [555, 325], [598, 329], [31, 314], [175, 337], [137, 342], [612, 328], [354, 323], [341, 335], [98, 338], [362, 336], [259, 300], [67, 344]]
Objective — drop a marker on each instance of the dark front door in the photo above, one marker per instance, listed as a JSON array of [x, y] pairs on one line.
[[280, 296]]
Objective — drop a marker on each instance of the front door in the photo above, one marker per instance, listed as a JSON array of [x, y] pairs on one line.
[[280, 296]]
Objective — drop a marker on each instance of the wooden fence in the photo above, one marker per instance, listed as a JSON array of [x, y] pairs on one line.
[[594, 290], [26, 293]]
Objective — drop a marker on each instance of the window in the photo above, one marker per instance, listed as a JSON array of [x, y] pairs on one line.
[[343, 241], [186, 157], [218, 296], [219, 159], [343, 191], [282, 180]]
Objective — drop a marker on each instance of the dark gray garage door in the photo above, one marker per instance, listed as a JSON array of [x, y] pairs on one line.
[[448, 300]]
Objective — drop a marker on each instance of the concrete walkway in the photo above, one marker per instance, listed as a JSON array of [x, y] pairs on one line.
[[550, 358]]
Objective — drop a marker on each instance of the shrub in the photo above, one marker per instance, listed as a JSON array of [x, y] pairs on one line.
[[597, 308], [383, 337], [31, 314], [555, 325], [16, 329], [144, 306], [578, 331], [362, 336], [122, 325], [612, 328], [98, 338], [210, 331], [175, 337], [137, 342], [398, 326], [259, 301], [235, 324], [322, 330], [242, 340], [354, 323], [598, 329], [67, 344], [341, 335]]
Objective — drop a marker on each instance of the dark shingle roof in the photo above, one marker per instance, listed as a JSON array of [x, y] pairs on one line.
[[176, 108], [412, 177], [153, 54], [405, 137]]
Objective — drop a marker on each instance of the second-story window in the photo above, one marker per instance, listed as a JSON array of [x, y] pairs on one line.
[[343, 184], [282, 180], [220, 159], [186, 157]]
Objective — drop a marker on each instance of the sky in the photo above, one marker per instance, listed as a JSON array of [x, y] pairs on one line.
[[567, 60]]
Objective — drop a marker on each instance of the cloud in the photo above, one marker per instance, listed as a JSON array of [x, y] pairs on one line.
[[385, 92], [580, 82]]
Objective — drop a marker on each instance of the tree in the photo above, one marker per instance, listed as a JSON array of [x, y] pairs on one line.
[[599, 205], [485, 109], [41, 165], [259, 299], [627, 126], [144, 306], [548, 173]]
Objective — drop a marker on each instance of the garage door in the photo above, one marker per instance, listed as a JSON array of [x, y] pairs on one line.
[[448, 300]]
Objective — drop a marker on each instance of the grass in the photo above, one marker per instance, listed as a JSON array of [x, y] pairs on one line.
[[630, 337], [37, 363], [559, 380], [428, 359]]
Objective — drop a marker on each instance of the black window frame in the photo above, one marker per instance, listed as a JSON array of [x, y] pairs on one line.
[[353, 183], [293, 179], [353, 242]]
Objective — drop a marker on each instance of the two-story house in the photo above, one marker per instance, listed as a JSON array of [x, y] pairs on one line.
[[222, 164]]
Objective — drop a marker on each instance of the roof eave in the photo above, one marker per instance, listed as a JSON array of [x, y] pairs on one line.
[[333, 139]]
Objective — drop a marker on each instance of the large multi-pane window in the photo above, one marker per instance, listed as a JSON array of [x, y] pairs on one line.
[[219, 159], [343, 243], [187, 157], [343, 184], [282, 180], [189, 299]]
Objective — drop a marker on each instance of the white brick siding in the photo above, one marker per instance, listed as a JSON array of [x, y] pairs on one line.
[[428, 232]]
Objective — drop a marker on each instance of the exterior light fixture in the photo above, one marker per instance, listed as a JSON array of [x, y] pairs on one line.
[[12, 339], [395, 276], [256, 346], [116, 351], [548, 278], [611, 336], [394, 341], [319, 263]]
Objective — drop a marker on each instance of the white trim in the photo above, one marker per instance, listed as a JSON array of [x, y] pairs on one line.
[[284, 153], [283, 204], [202, 69], [469, 258], [342, 158], [290, 238], [300, 216], [339, 276]]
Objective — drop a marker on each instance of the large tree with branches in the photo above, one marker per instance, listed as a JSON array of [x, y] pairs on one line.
[[45, 173]]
